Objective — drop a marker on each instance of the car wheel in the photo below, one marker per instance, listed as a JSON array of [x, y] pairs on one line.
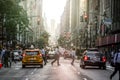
[[83, 66], [41, 65], [104, 67], [23, 66], [80, 65], [100, 67]]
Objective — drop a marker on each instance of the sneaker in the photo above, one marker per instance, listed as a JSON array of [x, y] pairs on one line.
[[51, 63], [58, 64], [72, 64], [110, 78]]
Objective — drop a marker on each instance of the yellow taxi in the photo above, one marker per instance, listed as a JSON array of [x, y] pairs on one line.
[[32, 57]]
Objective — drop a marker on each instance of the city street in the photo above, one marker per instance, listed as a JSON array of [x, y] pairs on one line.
[[63, 72], [32, 31]]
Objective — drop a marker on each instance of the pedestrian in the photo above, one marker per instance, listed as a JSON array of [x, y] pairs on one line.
[[6, 57], [117, 64], [13, 56], [56, 56], [10, 57], [73, 55], [2, 55], [44, 55], [112, 58]]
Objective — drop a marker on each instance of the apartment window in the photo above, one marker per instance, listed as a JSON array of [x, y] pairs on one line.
[[107, 3]]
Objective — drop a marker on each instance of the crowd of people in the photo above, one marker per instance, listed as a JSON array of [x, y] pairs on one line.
[[7, 56]]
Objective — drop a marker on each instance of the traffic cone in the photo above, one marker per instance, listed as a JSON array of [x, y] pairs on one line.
[[0, 64]]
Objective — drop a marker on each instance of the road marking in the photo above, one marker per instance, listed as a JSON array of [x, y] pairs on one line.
[[110, 69], [17, 68], [35, 69], [26, 79], [32, 73], [84, 78], [78, 73], [74, 68]]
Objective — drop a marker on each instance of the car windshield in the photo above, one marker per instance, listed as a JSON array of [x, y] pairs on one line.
[[32, 52], [93, 49], [93, 54], [16, 53]]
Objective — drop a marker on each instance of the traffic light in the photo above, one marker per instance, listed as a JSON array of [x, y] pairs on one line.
[[85, 18], [38, 22]]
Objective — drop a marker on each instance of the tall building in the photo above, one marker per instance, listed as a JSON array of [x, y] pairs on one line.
[[34, 12], [74, 21], [65, 19], [109, 27]]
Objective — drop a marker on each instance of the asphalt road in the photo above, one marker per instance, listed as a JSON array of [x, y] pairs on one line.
[[65, 71]]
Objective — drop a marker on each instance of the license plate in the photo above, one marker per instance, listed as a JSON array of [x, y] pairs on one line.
[[32, 58], [96, 59]]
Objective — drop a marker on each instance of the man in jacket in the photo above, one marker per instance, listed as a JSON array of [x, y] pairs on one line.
[[117, 64], [57, 56]]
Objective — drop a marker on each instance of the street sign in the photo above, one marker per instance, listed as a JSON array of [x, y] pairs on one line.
[[108, 21]]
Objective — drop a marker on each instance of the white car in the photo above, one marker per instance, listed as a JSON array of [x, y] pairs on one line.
[[51, 54], [17, 55]]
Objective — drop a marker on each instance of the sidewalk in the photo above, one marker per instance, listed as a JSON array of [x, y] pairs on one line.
[[13, 65]]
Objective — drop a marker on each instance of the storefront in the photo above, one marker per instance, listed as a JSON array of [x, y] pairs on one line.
[[108, 43]]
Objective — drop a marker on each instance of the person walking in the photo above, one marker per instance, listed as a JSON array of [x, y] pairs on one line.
[[73, 55], [44, 56], [2, 55], [10, 57], [117, 64], [57, 56], [6, 57]]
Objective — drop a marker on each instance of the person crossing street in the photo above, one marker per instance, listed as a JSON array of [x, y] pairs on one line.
[[57, 56], [117, 64], [44, 56], [73, 55]]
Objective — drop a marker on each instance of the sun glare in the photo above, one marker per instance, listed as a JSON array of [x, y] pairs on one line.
[[53, 8]]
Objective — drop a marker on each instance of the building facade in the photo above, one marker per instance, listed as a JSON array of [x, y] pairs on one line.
[[34, 12], [110, 26]]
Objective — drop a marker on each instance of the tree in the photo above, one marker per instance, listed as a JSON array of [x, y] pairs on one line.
[[61, 41], [43, 40], [11, 16]]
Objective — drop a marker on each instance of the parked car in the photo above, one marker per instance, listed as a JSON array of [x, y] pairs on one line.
[[32, 57], [93, 58], [51, 54], [67, 54]]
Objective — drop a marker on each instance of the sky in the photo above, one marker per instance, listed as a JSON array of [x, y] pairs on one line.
[[53, 10]]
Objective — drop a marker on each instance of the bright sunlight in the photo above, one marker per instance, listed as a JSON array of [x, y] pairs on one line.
[[53, 9]]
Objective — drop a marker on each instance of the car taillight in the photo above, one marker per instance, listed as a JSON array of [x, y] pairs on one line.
[[24, 55], [85, 58], [104, 59], [40, 55]]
